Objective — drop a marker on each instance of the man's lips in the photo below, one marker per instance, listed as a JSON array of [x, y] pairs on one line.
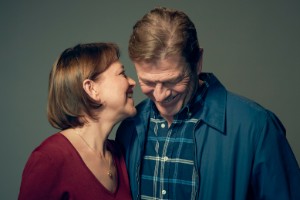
[[169, 99]]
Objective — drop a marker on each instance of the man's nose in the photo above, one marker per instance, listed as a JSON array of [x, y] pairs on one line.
[[161, 92]]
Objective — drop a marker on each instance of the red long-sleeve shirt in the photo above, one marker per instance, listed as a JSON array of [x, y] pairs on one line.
[[55, 170]]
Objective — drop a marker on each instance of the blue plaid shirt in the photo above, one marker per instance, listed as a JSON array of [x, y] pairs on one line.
[[168, 170]]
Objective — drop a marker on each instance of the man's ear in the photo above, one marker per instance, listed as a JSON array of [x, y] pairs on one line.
[[199, 65], [89, 88]]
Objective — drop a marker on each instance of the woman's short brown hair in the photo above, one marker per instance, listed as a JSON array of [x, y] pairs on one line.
[[67, 100], [163, 32]]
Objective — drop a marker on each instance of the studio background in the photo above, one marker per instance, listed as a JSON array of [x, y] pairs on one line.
[[251, 46]]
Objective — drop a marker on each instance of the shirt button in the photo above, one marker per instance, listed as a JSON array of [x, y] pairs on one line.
[[163, 125], [165, 158], [164, 192]]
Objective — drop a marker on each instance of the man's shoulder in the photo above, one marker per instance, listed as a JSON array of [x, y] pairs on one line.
[[247, 111], [233, 101], [244, 104]]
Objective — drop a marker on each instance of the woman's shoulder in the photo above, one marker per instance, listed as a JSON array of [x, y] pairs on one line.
[[48, 154], [54, 145]]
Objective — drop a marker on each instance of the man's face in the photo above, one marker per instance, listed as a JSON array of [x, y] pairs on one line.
[[167, 83]]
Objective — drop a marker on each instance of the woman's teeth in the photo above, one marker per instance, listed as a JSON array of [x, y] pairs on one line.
[[129, 95]]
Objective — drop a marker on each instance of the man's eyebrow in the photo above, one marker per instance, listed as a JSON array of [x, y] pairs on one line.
[[147, 80], [173, 79]]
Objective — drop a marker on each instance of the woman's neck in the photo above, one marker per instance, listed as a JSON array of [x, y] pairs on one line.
[[95, 136]]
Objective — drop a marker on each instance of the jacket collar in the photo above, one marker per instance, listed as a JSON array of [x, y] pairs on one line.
[[213, 104]]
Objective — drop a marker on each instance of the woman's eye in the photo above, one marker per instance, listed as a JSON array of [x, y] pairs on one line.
[[124, 74]]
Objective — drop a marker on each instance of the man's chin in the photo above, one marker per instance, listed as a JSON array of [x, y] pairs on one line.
[[168, 112]]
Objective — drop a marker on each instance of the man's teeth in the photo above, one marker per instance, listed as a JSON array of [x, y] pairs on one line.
[[169, 99]]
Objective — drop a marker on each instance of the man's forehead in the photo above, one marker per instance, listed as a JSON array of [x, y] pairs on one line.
[[174, 63]]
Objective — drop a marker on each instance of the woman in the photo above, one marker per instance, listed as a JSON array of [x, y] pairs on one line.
[[89, 93]]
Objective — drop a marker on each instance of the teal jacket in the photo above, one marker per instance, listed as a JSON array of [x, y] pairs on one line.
[[241, 151]]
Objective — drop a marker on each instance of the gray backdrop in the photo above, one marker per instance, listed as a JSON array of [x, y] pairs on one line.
[[251, 46]]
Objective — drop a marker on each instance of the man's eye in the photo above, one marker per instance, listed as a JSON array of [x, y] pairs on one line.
[[149, 84], [169, 84]]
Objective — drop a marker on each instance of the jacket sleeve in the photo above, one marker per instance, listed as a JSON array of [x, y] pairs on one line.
[[276, 173], [39, 177]]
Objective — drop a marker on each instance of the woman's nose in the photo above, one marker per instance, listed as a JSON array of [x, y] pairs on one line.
[[131, 82]]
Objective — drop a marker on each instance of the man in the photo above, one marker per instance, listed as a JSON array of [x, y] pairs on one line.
[[193, 139]]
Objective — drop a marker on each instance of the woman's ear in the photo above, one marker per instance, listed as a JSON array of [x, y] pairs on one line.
[[89, 88]]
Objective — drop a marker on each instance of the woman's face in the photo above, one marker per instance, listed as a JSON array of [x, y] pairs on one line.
[[115, 93]]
